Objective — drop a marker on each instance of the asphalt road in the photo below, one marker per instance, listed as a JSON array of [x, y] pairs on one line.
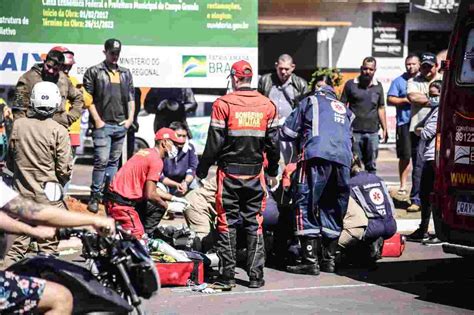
[[423, 281]]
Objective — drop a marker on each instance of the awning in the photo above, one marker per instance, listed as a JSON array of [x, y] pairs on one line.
[[284, 24]]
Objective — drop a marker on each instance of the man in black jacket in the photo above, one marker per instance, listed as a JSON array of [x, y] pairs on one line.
[[111, 87], [285, 89]]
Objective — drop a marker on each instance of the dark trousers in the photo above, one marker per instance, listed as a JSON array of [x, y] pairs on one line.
[[240, 197], [366, 146], [417, 162], [321, 198], [426, 188]]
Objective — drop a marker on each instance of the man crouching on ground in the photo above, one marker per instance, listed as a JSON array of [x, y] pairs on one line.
[[133, 193]]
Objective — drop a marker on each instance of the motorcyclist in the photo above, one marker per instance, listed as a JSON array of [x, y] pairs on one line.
[[41, 295]]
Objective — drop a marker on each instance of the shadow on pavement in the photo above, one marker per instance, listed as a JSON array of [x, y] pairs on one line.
[[443, 281]]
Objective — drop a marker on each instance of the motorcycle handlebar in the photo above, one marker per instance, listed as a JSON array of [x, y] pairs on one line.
[[67, 233]]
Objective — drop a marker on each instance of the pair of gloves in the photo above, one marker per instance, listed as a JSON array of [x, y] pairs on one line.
[[177, 205]]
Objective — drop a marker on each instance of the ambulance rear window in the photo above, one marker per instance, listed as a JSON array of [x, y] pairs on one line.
[[467, 70]]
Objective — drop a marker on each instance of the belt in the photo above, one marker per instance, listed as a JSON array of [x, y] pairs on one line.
[[242, 169], [114, 197]]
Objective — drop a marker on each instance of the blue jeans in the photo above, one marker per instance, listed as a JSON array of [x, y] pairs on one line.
[[366, 146], [108, 143]]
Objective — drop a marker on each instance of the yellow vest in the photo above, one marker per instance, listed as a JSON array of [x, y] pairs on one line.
[[75, 128]]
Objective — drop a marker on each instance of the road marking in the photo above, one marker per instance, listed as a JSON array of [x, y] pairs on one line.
[[342, 286]]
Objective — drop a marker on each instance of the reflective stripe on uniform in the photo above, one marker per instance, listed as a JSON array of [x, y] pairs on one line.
[[247, 133], [307, 232], [314, 101], [331, 232], [217, 123], [290, 133]]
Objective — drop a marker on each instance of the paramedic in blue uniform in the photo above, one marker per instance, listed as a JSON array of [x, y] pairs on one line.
[[322, 126]]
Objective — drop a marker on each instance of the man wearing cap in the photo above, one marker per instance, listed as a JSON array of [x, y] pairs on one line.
[[49, 71], [113, 94], [132, 198], [417, 93], [243, 127]]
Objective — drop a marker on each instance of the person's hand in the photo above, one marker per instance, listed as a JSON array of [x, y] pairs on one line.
[[127, 123], [418, 131], [183, 187], [384, 136], [99, 124], [180, 200], [176, 207], [104, 226], [7, 113], [43, 232]]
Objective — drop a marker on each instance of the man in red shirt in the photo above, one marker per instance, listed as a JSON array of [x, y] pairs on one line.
[[133, 193]]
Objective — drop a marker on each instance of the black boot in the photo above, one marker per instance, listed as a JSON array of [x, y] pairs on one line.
[[225, 247], [309, 261], [93, 205], [255, 260], [328, 261]]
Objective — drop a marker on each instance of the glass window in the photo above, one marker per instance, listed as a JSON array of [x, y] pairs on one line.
[[467, 70]]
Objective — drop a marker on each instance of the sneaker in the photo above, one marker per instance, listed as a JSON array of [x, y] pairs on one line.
[[93, 205], [413, 208], [256, 283], [418, 236], [433, 240]]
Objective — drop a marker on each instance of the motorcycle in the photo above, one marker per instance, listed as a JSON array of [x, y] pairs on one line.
[[118, 272]]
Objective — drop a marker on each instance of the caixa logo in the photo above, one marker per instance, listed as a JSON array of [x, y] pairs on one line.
[[13, 61]]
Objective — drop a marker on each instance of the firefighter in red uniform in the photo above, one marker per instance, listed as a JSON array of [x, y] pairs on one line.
[[243, 127]]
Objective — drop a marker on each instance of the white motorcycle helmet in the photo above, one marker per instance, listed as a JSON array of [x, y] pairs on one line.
[[45, 98]]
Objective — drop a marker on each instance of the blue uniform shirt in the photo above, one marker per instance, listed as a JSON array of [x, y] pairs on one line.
[[322, 126], [398, 88]]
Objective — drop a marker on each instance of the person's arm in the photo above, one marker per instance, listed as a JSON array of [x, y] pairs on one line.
[[63, 157], [345, 94], [394, 92], [418, 98], [10, 225], [383, 122], [52, 216], [429, 129], [215, 138], [170, 183], [89, 86], [77, 103], [414, 95], [22, 99], [272, 142], [292, 127], [131, 102], [382, 115], [98, 122], [153, 194], [397, 101]]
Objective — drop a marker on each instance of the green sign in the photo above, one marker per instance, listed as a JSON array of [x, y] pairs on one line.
[[199, 23]]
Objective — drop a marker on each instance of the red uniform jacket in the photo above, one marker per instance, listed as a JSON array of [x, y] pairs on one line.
[[244, 125]]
